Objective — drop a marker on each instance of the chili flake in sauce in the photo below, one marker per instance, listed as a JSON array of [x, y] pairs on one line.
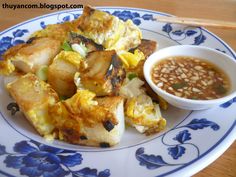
[[191, 78]]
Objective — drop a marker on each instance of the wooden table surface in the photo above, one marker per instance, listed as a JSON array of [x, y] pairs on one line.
[[209, 9]]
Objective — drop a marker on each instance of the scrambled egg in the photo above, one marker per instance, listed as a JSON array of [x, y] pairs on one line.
[[71, 57], [144, 115], [140, 111], [56, 31], [131, 60], [6, 67], [83, 116]]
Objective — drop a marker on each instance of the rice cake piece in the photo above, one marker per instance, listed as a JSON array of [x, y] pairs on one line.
[[29, 57], [84, 120], [104, 73], [34, 98], [61, 72]]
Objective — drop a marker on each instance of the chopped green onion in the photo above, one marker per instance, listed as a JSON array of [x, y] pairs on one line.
[[220, 89], [132, 75], [42, 73], [63, 97], [82, 45], [179, 85], [66, 46], [80, 48], [194, 97]]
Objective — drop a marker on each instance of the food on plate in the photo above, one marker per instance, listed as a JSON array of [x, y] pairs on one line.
[[88, 43], [12, 77], [82, 119], [104, 73], [131, 87], [162, 102], [80, 81], [191, 78], [30, 56], [56, 31], [140, 111], [131, 60], [62, 70], [144, 115], [147, 47], [107, 30], [34, 98]]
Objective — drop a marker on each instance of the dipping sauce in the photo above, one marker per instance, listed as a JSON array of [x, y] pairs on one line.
[[191, 78]]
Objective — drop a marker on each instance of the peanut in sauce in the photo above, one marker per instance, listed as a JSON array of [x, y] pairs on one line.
[[191, 78]]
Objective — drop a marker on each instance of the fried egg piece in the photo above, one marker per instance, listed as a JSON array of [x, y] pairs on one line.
[[140, 111], [56, 31], [144, 115]]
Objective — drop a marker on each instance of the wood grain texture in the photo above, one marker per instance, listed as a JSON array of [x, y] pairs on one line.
[[198, 22], [210, 9]]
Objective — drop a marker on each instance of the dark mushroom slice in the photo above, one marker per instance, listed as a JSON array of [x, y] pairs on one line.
[[13, 107], [83, 137], [89, 43], [104, 145], [108, 125], [30, 40]]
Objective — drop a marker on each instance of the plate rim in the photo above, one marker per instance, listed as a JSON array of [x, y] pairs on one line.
[[214, 152], [116, 7]]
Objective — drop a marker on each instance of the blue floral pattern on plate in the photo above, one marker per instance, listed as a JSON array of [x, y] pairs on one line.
[[31, 158], [66, 17], [134, 16], [199, 37], [34, 159], [175, 151], [8, 41], [228, 103]]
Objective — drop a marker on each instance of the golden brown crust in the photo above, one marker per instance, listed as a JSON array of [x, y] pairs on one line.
[[12, 51], [94, 21], [147, 47], [30, 92], [107, 30], [104, 74], [109, 102], [30, 56]]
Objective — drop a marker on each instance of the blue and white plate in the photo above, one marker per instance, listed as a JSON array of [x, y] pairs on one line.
[[192, 140]]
